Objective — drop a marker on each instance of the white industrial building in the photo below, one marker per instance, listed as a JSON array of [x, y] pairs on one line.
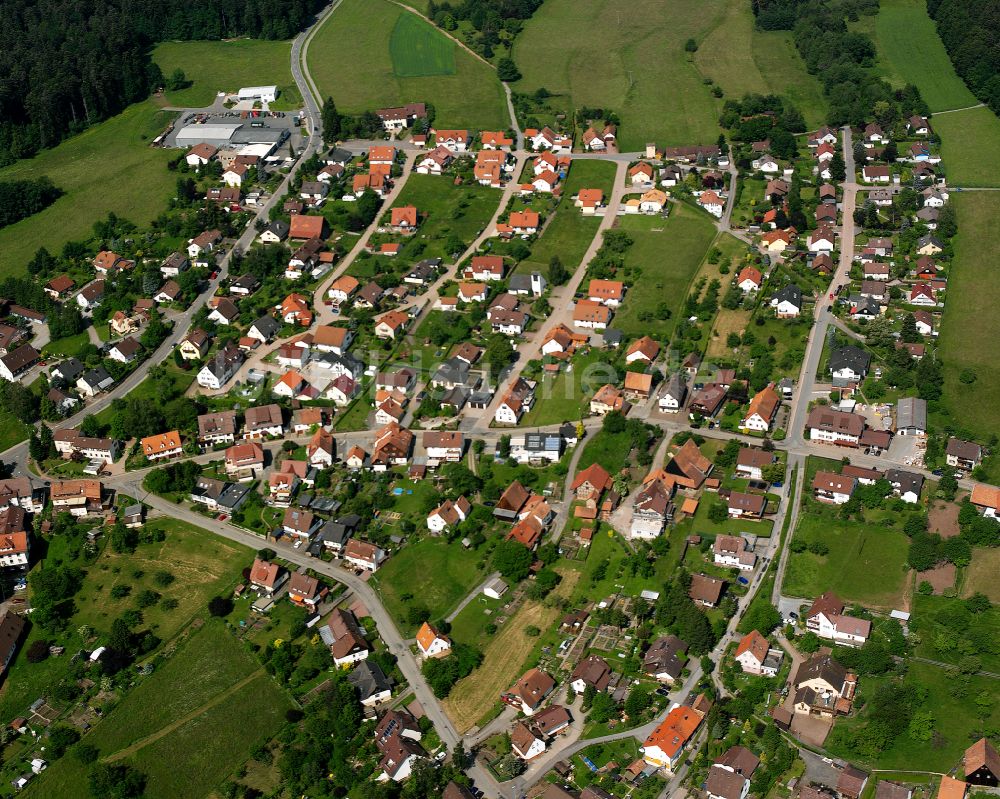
[[266, 94], [218, 135]]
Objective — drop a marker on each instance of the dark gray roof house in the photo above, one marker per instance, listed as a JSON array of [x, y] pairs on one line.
[[852, 358], [368, 679], [790, 293]]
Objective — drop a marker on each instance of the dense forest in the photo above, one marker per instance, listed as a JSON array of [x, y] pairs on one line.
[[970, 30], [497, 21], [20, 199], [839, 57], [69, 63]]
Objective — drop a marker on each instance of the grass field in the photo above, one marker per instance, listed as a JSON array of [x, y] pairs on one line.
[[744, 60], [955, 725], [570, 233], [970, 146], [109, 167], [435, 573], [503, 660], [912, 52], [628, 58], [208, 724], [227, 66], [203, 566], [865, 562], [611, 450], [566, 397], [419, 49], [686, 235], [981, 574], [462, 211], [352, 58], [12, 430], [966, 329]]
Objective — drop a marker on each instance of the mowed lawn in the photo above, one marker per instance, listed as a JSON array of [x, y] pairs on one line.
[[566, 396], [569, 233], [214, 67], [352, 58], [668, 251], [744, 60], [188, 726], [432, 573], [109, 167], [419, 49], [462, 211], [627, 57], [909, 44], [970, 147], [968, 333], [981, 574], [865, 562]]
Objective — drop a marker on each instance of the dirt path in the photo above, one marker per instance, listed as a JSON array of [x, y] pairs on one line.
[[160, 733]]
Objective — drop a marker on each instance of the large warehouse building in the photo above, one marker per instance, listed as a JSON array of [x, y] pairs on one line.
[[231, 136]]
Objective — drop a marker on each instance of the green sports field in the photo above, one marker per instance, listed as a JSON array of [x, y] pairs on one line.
[[212, 67], [968, 338], [372, 53], [109, 167], [742, 60], [627, 57], [418, 49]]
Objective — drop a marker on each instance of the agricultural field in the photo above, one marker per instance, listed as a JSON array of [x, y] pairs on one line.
[[744, 60], [432, 574], [109, 167], [686, 235], [912, 52], [970, 147], [372, 53], [966, 329], [569, 233], [865, 562], [209, 724], [627, 58], [212, 67], [418, 50]]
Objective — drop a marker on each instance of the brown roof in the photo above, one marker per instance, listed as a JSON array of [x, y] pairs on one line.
[[513, 498], [824, 418], [725, 783], [852, 782], [303, 585], [829, 604], [307, 227], [951, 788], [596, 475], [750, 456], [891, 790], [534, 686], [264, 573], [347, 636], [521, 738], [594, 671], [706, 589], [982, 754]]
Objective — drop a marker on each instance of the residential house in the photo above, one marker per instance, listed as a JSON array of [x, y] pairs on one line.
[[756, 656], [823, 687], [363, 555], [431, 643], [592, 672], [762, 411], [530, 691], [448, 515], [262, 421], [960, 454], [787, 302], [217, 428], [664, 746], [827, 619], [731, 551], [220, 368], [833, 488], [267, 577], [517, 401]]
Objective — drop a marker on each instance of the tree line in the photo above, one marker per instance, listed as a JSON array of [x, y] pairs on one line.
[[19, 199], [969, 30], [67, 65], [839, 57]]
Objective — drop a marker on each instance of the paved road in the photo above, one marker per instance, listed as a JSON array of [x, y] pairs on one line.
[[814, 346], [470, 597], [561, 298]]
